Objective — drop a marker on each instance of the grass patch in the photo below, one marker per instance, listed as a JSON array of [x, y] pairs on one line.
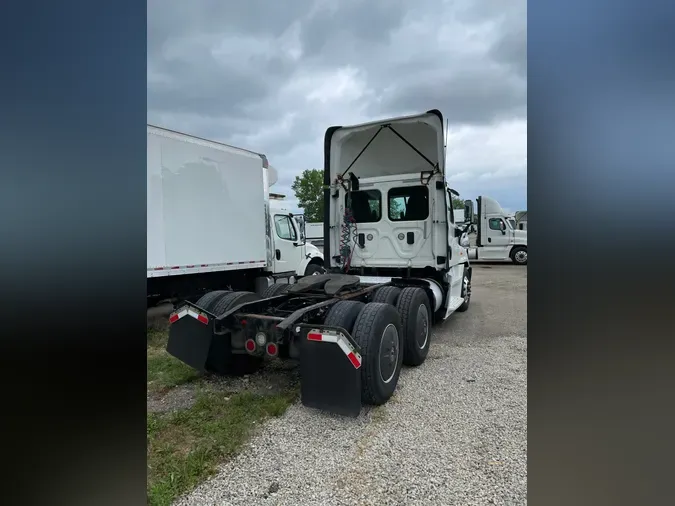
[[165, 371], [185, 447], [157, 338]]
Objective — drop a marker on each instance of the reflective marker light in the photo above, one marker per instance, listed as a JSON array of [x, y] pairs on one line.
[[261, 338], [250, 345]]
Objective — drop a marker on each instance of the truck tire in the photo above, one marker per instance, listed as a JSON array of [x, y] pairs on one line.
[[415, 310], [274, 290], [466, 292], [221, 360], [377, 331], [211, 299], [343, 314], [519, 255], [387, 295], [314, 270]]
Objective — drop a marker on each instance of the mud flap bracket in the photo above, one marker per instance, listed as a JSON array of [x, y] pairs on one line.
[[190, 338]]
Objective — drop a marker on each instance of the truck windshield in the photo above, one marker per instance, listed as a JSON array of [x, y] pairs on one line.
[[512, 223]]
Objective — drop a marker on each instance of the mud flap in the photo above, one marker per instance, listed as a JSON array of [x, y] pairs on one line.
[[190, 338], [330, 371]]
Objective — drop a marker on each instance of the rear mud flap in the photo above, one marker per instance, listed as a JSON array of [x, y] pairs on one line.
[[330, 377], [190, 341]]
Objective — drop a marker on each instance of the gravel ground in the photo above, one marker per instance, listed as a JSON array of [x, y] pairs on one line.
[[454, 433]]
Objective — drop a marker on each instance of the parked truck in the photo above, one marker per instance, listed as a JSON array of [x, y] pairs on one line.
[[497, 236], [211, 223], [396, 262]]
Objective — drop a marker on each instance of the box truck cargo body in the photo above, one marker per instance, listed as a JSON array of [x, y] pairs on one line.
[[208, 219]]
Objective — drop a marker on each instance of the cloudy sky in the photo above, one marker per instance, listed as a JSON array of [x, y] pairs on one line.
[[272, 76]]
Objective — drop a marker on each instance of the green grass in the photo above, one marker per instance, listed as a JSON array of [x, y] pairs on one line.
[[165, 371], [157, 338], [185, 447]]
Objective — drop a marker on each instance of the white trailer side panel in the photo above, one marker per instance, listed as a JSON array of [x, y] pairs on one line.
[[206, 206], [314, 231]]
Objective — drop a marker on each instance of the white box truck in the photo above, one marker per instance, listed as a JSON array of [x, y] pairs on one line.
[[210, 223], [497, 237], [397, 261]]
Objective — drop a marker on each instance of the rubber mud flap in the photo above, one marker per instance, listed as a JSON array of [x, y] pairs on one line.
[[328, 379], [190, 341]]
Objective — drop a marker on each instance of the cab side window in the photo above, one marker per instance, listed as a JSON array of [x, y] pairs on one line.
[[284, 227], [495, 224]]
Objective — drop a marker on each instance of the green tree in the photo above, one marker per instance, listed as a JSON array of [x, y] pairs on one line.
[[457, 203], [308, 188]]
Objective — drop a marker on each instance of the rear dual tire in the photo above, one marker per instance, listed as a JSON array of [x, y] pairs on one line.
[[377, 331], [221, 360], [415, 310]]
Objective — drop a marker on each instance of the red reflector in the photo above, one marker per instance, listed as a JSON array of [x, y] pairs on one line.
[[250, 345], [203, 319], [354, 360], [272, 349], [243, 322], [314, 337], [173, 318]]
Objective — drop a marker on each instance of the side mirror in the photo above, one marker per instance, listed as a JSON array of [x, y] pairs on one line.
[[502, 227], [468, 211]]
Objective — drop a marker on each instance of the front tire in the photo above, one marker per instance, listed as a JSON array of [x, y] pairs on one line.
[[377, 331], [415, 310], [314, 270], [519, 255], [466, 291]]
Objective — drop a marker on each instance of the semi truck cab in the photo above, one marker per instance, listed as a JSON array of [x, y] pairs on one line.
[[497, 238]]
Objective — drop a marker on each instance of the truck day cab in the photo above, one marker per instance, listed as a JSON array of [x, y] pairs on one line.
[[211, 223], [396, 264], [497, 236]]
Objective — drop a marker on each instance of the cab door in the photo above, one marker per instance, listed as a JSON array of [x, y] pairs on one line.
[[498, 239], [287, 250]]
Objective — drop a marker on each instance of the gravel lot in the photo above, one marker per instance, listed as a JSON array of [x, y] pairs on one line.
[[454, 433]]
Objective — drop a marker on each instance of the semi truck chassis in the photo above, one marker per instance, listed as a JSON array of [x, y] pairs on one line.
[[351, 339]]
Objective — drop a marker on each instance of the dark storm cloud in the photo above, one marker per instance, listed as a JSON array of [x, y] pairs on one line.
[[182, 18], [470, 95], [353, 23], [270, 76]]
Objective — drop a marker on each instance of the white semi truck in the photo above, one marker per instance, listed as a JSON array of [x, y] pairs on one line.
[[211, 222], [397, 264], [497, 238]]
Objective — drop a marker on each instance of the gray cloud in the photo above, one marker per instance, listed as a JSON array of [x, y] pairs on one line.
[[272, 76]]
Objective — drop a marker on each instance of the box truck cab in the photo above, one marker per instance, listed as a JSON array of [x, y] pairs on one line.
[[292, 251], [497, 237]]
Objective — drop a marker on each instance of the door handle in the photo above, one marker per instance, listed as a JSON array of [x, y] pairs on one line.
[[362, 241], [278, 254], [489, 240]]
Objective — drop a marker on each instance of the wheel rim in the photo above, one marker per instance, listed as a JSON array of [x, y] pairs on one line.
[[467, 289], [422, 328], [389, 350], [521, 256]]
